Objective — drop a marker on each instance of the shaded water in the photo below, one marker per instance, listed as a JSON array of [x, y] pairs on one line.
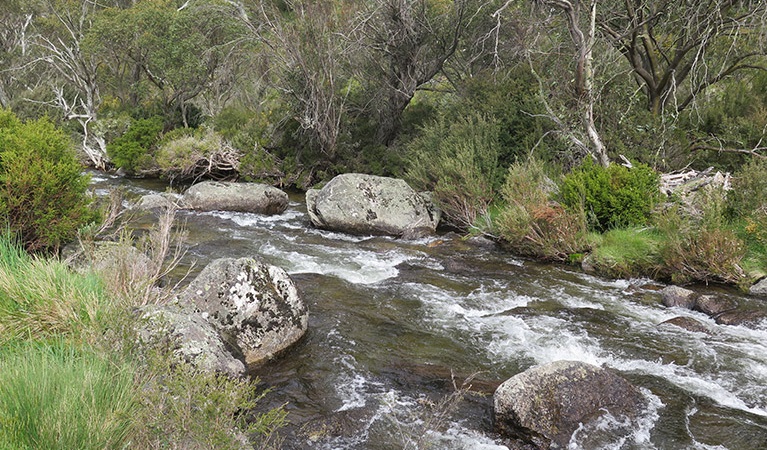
[[395, 324]]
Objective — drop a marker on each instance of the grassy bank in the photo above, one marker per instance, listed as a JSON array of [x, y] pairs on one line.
[[71, 375]]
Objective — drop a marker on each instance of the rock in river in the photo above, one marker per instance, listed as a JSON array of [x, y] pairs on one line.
[[255, 306], [190, 337], [239, 197], [544, 405], [367, 204]]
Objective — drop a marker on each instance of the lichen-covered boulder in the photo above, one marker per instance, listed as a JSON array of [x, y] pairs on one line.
[[239, 197], [544, 405], [367, 204], [189, 337], [255, 306]]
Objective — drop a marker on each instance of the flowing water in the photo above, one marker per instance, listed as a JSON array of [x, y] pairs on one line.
[[397, 326]]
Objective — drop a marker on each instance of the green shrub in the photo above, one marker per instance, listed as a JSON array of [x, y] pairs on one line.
[[133, 150], [42, 189], [59, 397], [533, 225], [199, 155], [612, 197], [458, 161], [185, 408], [699, 248]]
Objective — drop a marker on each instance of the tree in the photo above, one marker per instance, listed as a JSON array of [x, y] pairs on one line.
[[15, 44], [408, 43], [61, 31], [677, 49]]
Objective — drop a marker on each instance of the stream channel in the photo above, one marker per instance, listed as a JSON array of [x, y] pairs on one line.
[[396, 325]]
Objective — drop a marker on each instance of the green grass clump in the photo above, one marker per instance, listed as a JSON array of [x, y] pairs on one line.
[[60, 397], [42, 298], [626, 252]]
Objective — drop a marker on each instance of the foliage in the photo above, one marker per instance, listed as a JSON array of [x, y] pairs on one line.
[[42, 190], [197, 155], [533, 225], [458, 161], [60, 397], [615, 196], [700, 244], [183, 408], [133, 150]]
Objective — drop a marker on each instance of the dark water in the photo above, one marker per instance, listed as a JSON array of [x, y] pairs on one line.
[[396, 327]]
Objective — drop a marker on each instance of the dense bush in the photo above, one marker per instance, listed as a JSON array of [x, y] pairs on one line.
[[194, 155], [458, 161], [42, 190], [133, 150], [615, 196], [533, 225]]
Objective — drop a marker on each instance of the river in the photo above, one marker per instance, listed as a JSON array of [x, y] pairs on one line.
[[397, 326]]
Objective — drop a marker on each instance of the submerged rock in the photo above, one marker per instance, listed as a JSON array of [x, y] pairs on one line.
[[239, 197], [544, 405], [746, 317], [714, 305], [152, 202], [368, 204], [190, 337], [255, 306], [689, 324]]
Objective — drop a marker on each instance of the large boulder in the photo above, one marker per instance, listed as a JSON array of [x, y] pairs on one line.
[[254, 306], [239, 197], [367, 204], [544, 405], [189, 337]]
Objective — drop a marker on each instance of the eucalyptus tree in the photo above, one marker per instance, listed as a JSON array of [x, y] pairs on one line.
[[16, 37], [158, 48], [677, 49]]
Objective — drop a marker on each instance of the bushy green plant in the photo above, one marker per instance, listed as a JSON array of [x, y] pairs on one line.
[[458, 161], [42, 190], [133, 150], [614, 196], [185, 408], [197, 155], [533, 225], [60, 397]]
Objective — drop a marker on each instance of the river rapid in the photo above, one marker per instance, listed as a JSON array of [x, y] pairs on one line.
[[397, 326]]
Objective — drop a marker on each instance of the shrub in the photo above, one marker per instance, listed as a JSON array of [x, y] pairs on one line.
[[185, 408], [612, 197], [700, 247], [133, 150], [42, 190], [530, 223], [201, 154], [59, 397], [459, 163]]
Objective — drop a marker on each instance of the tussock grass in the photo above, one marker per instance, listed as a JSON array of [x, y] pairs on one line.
[[55, 396], [42, 298]]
